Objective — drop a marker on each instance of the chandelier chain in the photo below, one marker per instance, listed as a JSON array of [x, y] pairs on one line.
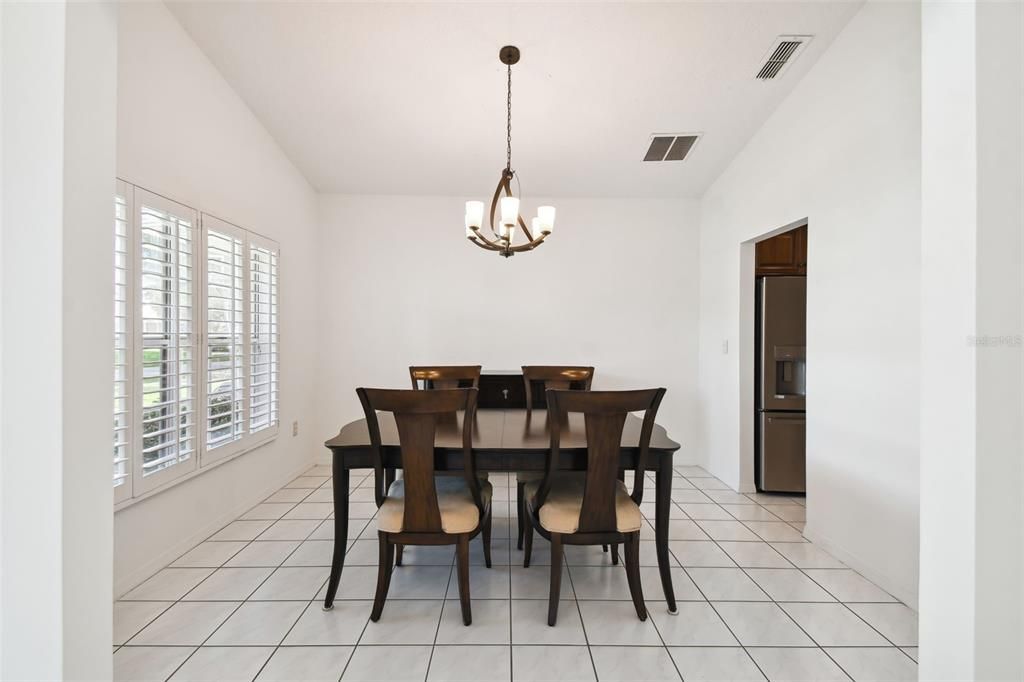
[[508, 152]]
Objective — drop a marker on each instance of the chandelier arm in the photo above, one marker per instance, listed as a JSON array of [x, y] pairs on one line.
[[494, 202], [526, 230], [482, 245], [531, 246], [495, 246]]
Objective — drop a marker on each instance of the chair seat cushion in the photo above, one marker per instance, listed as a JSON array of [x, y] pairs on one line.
[[459, 514], [561, 510]]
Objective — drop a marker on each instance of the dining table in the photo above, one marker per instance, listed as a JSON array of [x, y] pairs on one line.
[[504, 440]]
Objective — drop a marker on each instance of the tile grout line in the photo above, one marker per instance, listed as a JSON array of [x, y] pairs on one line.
[[507, 520], [181, 598], [579, 610], [440, 617], [236, 609], [777, 604], [727, 626], [781, 608]]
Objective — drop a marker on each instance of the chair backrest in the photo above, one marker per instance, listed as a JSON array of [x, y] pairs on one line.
[[604, 415], [445, 376], [555, 376], [416, 415]]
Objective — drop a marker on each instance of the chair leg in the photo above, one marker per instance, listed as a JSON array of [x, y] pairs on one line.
[[604, 548], [633, 574], [384, 569], [462, 550], [520, 512], [615, 554], [528, 542], [398, 555], [556, 578], [487, 540]]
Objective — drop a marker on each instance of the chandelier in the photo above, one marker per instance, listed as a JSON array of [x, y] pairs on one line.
[[504, 234]]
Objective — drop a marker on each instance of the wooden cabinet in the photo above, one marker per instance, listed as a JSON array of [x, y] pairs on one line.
[[783, 254]]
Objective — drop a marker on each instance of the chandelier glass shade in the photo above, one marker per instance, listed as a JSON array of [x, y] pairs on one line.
[[504, 205]]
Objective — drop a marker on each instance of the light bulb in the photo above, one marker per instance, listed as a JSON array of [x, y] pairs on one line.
[[474, 213], [546, 215], [509, 210]]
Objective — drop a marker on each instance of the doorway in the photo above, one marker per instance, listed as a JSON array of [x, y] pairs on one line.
[[773, 274]]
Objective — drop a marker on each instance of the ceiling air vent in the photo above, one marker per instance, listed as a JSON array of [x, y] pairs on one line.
[[783, 52], [671, 147]]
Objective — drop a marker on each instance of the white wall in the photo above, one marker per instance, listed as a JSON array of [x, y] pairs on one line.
[[58, 82], [184, 133], [615, 286], [842, 151], [972, 394]]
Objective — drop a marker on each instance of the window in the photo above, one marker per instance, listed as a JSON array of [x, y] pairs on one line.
[[122, 347], [263, 342], [225, 336], [195, 341]]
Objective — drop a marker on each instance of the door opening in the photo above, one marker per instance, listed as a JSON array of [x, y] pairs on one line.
[[780, 367]]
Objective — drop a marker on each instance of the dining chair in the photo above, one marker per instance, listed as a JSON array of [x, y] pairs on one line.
[[592, 507], [432, 377], [423, 508], [445, 376], [548, 377]]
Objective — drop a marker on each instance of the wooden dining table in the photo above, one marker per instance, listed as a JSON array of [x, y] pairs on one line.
[[504, 440]]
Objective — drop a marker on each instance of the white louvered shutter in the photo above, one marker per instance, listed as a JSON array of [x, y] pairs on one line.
[[123, 342], [165, 341], [225, 338], [263, 335]]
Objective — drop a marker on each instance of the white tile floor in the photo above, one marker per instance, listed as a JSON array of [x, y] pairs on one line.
[[756, 601]]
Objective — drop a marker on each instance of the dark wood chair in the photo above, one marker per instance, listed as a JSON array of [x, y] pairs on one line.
[[445, 376], [547, 377], [422, 508], [433, 377], [555, 376], [592, 508]]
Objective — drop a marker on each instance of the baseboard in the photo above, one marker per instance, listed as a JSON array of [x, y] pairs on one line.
[[163, 559], [904, 593]]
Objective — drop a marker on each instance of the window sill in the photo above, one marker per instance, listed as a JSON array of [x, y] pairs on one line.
[[193, 474]]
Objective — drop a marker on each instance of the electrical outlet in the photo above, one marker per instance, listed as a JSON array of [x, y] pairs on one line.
[[295, 427]]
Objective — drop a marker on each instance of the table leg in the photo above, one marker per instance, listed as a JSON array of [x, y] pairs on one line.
[[662, 512], [341, 484]]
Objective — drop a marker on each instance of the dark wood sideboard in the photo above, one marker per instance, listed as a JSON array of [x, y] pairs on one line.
[[501, 389]]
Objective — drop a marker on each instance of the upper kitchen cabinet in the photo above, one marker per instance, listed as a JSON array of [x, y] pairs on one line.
[[783, 254]]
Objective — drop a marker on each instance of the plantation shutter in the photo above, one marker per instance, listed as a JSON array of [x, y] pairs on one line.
[[225, 337], [166, 341], [263, 335], [123, 341]]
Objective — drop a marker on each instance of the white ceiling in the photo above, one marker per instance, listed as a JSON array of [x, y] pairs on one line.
[[382, 98]]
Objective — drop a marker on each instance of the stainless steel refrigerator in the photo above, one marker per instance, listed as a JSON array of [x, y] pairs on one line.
[[781, 384]]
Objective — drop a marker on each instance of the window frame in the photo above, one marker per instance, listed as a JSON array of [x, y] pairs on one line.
[[124, 491], [142, 483], [137, 486], [260, 242], [237, 445]]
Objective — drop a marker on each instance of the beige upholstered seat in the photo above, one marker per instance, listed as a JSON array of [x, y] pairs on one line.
[[561, 510], [459, 513]]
